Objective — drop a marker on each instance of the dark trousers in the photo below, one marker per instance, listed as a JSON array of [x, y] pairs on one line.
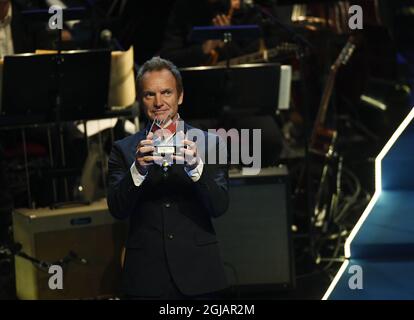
[[173, 293]]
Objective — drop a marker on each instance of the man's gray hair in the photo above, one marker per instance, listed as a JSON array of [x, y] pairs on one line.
[[158, 64]]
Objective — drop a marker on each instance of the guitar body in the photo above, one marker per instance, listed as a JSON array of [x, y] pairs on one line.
[[322, 156], [324, 143]]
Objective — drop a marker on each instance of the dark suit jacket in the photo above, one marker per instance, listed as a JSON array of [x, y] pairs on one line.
[[170, 232]]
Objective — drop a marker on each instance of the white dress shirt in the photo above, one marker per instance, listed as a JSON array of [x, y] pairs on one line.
[[194, 174]]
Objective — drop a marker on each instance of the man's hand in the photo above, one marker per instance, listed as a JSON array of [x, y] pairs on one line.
[[221, 20], [143, 157], [210, 45], [189, 155], [225, 20]]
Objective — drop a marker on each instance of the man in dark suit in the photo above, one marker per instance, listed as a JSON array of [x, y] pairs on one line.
[[171, 249]]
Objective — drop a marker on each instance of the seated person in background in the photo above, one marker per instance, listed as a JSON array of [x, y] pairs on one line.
[[186, 14]]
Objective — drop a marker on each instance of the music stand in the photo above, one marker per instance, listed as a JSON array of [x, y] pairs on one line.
[[239, 32], [30, 86], [43, 15], [36, 91], [232, 98], [215, 92]]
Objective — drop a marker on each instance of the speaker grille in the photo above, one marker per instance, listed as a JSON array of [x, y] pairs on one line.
[[254, 234]]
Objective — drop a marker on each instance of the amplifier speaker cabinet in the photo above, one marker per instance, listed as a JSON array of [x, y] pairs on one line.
[[255, 233], [90, 239]]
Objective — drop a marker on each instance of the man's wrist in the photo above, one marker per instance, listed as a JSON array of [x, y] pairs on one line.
[[194, 165], [137, 177], [196, 172], [142, 171]]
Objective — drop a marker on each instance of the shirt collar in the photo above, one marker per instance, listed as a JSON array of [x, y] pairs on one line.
[[176, 124]]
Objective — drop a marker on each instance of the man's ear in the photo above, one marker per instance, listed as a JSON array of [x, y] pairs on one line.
[[180, 99]]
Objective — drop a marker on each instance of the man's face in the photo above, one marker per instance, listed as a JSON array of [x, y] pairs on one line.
[[160, 97]]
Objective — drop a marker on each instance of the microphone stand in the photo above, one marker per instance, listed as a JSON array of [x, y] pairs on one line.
[[16, 250], [58, 119], [58, 108]]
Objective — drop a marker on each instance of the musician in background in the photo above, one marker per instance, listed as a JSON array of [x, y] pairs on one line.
[[186, 14]]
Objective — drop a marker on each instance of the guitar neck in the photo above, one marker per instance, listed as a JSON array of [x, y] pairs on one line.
[[342, 59], [326, 97], [248, 58], [323, 107], [260, 56]]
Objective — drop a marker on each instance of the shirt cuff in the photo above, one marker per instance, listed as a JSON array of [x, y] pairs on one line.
[[136, 176], [195, 174]]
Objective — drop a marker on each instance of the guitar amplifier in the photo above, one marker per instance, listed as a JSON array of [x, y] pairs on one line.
[[254, 234], [87, 241]]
